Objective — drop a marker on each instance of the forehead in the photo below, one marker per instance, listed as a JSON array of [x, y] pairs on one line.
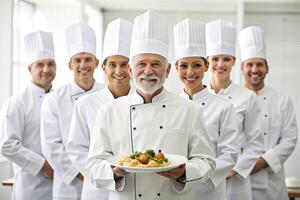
[[191, 59], [83, 55], [117, 58], [221, 56], [149, 57], [255, 61]]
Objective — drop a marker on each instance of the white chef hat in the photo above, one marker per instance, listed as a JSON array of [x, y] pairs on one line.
[[189, 38], [80, 38], [220, 38], [38, 45], [252, 43], [117, 39], [150, 35]]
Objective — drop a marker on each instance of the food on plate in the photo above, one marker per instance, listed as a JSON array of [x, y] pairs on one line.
[[148, 159]]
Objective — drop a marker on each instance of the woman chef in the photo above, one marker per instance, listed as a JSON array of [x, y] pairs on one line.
[[219, 114], [220, 49]]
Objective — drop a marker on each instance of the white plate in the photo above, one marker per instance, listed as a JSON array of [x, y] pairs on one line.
[[176, 161]]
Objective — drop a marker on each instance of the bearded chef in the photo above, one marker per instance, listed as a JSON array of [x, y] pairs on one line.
[[279, 123], [116, 68], [20, 123], [150, 118], [57, 109]]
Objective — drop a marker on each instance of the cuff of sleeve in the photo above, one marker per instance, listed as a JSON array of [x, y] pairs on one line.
[[70, 175], [120, 184], [35, 164], [273, 161]]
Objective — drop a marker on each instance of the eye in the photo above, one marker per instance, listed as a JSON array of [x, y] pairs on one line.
[[197, 65], [124, 65], [183, 66], [156, 64], [215, 59], [112, 65], [226, 59], [141, 64]]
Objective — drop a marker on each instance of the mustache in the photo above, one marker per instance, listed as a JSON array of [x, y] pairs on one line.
[[148, 78]]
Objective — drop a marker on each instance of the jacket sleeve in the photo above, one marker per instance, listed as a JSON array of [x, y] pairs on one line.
[[52, 142], [98, 168], [227, 145], [79, 139], [253, 138], [276, 156], [201, 163], [12, 133]]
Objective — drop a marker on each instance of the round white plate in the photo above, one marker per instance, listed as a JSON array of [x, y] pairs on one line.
[[176, 161]]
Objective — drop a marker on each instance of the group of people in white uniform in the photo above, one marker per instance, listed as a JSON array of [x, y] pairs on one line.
[[236, 138]]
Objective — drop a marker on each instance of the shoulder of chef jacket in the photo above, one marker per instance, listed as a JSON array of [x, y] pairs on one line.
[[181, 137]]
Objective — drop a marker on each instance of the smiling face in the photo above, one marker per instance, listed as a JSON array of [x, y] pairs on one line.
[[83, 65], [43, 72], [191, 72], [255, 70], [116, 69], [221, 66], [149, 72]]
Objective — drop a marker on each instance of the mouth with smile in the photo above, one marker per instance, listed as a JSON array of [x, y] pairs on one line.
[[119, 77], [191, 79]]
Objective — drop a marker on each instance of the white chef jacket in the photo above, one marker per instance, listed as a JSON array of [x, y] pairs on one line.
[[220, 119], [171, 124], [249, 121], [56, 115], [280, 132], [82, 124], [20, 143]]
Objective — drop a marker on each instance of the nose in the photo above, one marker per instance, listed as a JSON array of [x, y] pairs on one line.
[[148, 69], [220, 63], [190, 70], [118, 70]]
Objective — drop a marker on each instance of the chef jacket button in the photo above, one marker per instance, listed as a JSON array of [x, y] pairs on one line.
[[265, 133], [161, 127], [133, 108], [76, 99], [140, 195], [265, 98], [134, 128], [158, 194], [266, 115], [229, 97], [164, 106], [203, 103]]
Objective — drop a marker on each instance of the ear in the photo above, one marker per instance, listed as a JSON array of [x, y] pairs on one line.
[[103, 68], [70, 66], [206, 66], [130, 71], [29, 68], [234, 59], [168, 70], [97, 62]]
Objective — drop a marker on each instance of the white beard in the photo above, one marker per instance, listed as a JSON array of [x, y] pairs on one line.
[[148, 87]]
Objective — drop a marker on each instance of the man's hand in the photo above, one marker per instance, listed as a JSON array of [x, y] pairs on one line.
[[231, 174], [80, 177], [118, 173], [47, 170], [259, 165], [174, 174]]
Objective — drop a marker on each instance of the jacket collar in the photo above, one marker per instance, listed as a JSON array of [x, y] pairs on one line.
[[77, 91], [138, 99], [223, 91], [37, 89]]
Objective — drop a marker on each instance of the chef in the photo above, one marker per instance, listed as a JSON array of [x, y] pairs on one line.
[[279, 125], [220, 49], [219, 114], [57, 109], [150, 118], [116, 68], [20, 122]]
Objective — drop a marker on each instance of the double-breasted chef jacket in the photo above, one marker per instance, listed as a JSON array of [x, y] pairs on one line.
[[171, 124], [82, 124], [280, 134], [20, 143], [56, 115], [249, 123], [220, 119]]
